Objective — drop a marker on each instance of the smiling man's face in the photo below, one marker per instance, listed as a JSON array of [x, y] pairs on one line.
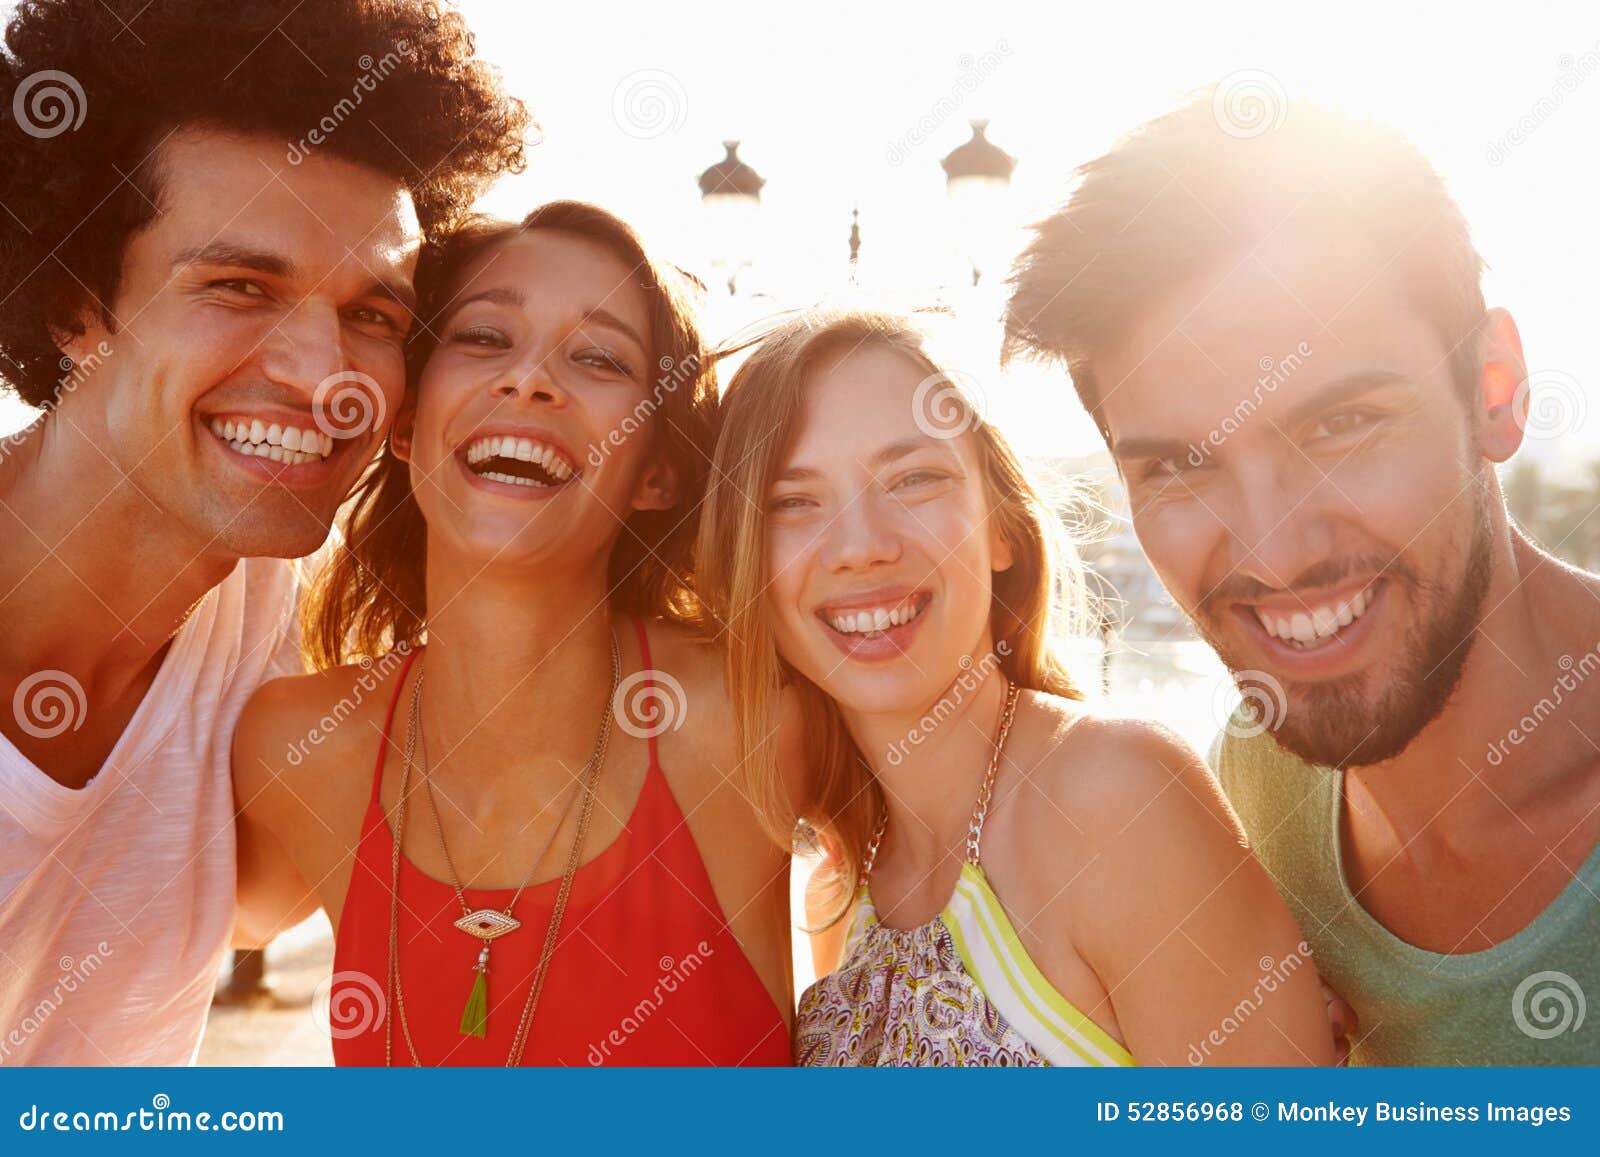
[[259, 352], [1306, 480]]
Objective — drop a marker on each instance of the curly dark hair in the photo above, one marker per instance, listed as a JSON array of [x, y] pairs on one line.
[[89, 89]]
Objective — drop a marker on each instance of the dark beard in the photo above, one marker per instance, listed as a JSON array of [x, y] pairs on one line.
[[1338, 725]]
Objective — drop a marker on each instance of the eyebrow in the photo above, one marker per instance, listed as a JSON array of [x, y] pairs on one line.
[[500, 295], [277, 265], [880, 458], [606, 317], [225, 253], [1341, 389]]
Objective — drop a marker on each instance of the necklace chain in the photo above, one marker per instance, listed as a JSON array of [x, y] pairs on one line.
[[547, 952], [980, 807], [433, 807]]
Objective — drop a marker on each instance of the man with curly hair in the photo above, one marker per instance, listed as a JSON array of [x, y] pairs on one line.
[[211, 215]]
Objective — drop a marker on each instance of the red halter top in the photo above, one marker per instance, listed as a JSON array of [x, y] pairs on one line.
[[645, 970]]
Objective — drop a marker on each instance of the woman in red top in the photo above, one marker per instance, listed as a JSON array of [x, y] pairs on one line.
[[504, 682]]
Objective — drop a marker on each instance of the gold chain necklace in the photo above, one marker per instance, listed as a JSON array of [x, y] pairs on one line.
[[980, 807], [488, 924]]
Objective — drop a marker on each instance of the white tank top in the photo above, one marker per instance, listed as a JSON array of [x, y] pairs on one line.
[[117, 900]]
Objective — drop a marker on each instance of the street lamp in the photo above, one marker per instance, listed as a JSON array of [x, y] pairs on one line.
[[730, 190], [978, 177]]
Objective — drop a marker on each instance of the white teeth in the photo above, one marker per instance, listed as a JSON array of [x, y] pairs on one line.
[[288, 444], [519, 450], [1305, 629], [874, 622], [512, 479]]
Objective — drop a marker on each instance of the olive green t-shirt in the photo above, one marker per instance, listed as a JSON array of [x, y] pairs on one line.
[[1523, 1001]]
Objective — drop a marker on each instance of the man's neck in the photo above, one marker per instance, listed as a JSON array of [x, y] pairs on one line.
[[94, 578], [1538, 640]]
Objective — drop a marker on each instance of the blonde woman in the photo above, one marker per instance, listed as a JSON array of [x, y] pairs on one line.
[[1036, 885]]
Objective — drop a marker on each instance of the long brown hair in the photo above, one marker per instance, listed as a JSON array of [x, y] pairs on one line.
[[372, 595], [761, 415]]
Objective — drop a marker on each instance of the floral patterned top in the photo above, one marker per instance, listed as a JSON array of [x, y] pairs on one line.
[[958, 990]]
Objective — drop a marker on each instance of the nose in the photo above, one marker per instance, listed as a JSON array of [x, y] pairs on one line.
[[859, 538], [532, 380], [305, 348], [1280, 523]]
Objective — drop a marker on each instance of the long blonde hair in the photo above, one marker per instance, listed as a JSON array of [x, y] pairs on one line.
[[761, 414]]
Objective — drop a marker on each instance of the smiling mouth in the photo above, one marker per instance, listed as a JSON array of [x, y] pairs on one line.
[[1317, 625], [519, 462], [875, 622], [254, 438]]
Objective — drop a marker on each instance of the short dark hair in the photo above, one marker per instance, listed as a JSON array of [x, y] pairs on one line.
[[1183, 192], [392, 84]]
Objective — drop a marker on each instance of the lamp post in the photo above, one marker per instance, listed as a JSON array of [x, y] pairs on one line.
[[977, 178], [730, 190]]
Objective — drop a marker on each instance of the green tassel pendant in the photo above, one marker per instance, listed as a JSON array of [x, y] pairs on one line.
[[475, 1017]]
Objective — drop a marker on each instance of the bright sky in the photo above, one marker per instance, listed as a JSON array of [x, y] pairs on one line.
[[837, 106]]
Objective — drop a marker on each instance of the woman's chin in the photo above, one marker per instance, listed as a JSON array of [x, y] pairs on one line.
[[881, 694]]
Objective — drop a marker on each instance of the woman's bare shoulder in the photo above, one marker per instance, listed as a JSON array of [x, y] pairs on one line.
[[305, 737]]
